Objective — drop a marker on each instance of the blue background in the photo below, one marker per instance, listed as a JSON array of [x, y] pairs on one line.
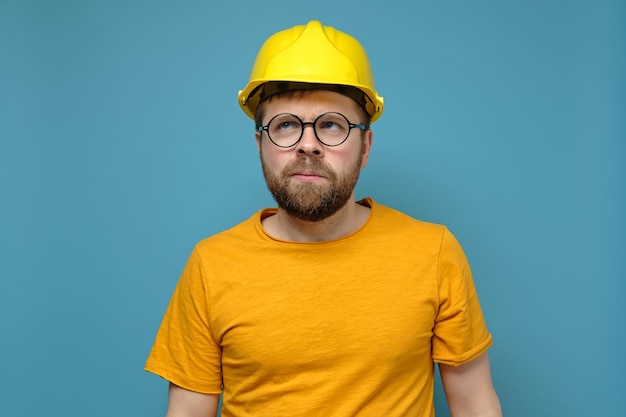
[[122, 145]]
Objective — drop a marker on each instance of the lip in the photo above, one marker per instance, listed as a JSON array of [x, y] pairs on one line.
[[308, 176]]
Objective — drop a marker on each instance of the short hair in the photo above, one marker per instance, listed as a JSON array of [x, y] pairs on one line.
[[364, 117]]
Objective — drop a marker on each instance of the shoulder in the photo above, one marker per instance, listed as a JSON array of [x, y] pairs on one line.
[[242, 233], [393, 220]]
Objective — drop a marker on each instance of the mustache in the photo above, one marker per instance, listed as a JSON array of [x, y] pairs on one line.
[[309, 164]]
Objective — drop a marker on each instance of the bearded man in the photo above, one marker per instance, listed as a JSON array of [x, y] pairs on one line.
[[324, 306]]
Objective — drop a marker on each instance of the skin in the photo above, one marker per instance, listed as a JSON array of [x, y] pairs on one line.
[[469, 388], [355, 149], [185, 403]]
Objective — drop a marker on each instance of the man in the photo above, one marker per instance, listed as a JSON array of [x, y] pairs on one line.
[[324, 306]]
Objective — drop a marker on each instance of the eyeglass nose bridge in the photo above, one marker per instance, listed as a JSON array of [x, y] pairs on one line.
[[303, 126]]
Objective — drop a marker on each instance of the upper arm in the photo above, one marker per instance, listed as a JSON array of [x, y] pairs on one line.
[[185, 403], [469, 388]]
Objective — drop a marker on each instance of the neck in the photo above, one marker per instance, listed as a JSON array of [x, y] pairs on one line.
[[345, 221]]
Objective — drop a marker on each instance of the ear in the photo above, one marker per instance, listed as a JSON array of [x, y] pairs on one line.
[[367, 146], [257, 137]]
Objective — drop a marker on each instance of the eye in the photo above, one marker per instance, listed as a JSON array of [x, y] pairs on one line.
[[332, 123], [284, 123], [328, 125], [287, 125]]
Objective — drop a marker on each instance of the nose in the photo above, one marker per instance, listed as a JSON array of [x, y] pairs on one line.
[[308, 144]]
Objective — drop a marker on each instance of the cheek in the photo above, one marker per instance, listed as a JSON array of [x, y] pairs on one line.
[[273, 160], [357, 157]]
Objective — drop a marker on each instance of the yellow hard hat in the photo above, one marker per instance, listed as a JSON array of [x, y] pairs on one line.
[[312, 57]]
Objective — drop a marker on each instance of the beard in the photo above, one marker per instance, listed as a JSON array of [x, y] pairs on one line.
[[308, 201]]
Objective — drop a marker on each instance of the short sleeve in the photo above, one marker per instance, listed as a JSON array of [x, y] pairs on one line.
[[185, 352], [460, 333]]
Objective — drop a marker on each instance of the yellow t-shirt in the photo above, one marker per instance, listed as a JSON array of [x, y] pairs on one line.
[[348, 327]]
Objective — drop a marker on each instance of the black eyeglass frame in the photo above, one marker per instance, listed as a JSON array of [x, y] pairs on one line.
[[313, 123]]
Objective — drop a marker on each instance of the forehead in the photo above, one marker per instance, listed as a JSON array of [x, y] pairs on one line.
[[310, 104]]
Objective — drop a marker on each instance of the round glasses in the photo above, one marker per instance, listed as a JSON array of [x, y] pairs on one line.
[[331, 129]]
